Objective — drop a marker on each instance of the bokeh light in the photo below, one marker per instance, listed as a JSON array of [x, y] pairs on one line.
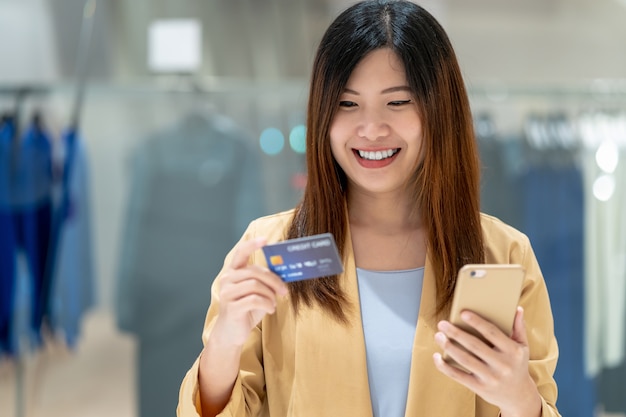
[[297, 139], [272, 141], [607, 156], [604, 187]]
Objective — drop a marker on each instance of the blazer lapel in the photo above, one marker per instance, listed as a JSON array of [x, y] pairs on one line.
[[331, 368], [432, 393]]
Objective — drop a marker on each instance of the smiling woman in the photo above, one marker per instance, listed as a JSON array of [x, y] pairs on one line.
[[393, 174]]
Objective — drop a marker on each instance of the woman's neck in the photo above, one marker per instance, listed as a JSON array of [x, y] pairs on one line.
[[386, 213], [386, 233]]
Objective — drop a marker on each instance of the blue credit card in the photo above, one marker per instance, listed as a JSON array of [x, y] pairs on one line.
[[304, 258]]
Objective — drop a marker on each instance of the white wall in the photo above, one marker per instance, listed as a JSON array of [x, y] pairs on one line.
[[562, 41], [27, 42]]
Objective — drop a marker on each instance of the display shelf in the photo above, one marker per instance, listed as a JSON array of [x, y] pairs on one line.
[[599, 89]]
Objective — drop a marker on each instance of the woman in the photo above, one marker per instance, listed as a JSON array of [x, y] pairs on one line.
[[393, 174]]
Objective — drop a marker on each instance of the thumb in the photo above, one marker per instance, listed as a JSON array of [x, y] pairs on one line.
[[244, 249], [519, 327]]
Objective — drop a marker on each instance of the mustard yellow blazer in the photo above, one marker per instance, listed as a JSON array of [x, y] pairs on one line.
[[313, 366]]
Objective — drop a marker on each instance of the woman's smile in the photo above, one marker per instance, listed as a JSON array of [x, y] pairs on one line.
[[376, 158]]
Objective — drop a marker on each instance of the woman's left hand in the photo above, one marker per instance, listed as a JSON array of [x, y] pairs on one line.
[[499, 374]]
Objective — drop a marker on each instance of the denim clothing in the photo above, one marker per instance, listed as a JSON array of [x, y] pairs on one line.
[[72, 282], [45, 244], [553, 220], [7, 239]]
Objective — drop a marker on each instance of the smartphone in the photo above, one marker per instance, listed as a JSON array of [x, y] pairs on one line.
[[489, 290]]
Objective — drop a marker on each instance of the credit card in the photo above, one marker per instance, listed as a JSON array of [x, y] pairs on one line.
[[304, 258]]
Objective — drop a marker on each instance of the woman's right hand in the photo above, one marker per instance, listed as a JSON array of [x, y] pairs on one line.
[[246, 294]]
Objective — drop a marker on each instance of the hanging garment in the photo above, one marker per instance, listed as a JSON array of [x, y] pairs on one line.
[[30, 193], [553, 207], [501, 164], [71, 280], [605, 252], [605, 256], [606, 272], [194, 189], [7, 238]]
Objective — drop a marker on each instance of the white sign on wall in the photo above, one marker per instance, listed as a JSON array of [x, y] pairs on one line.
[[175, 45]]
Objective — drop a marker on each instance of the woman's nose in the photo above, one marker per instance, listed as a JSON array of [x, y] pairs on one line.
[[372, 125]]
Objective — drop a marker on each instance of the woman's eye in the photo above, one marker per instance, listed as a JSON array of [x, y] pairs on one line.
[[345, 103], [399, 102]]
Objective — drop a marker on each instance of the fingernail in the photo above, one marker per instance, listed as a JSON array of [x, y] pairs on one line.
[[443, 325]]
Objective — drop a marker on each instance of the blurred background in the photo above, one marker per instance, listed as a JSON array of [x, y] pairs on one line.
[[138, 139]]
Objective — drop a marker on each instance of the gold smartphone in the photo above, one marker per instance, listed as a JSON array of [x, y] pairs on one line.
[[489, 290]]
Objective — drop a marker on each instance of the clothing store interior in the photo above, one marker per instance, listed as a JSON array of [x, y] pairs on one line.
[[139, 138]]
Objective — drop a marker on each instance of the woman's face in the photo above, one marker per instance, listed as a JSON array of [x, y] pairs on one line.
[[376, 135]]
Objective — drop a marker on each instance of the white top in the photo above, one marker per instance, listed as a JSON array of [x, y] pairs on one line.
[[390, 302]]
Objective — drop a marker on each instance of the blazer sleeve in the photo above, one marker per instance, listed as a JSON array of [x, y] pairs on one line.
[[539, 322], [249, 391]]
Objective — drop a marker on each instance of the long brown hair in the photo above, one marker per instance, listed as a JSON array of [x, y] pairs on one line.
[[446, 181]]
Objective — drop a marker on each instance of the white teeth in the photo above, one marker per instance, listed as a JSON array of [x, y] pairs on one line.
[[378, 155]]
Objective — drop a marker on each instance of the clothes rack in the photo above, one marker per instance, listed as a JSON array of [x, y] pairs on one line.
[[21, 93]]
